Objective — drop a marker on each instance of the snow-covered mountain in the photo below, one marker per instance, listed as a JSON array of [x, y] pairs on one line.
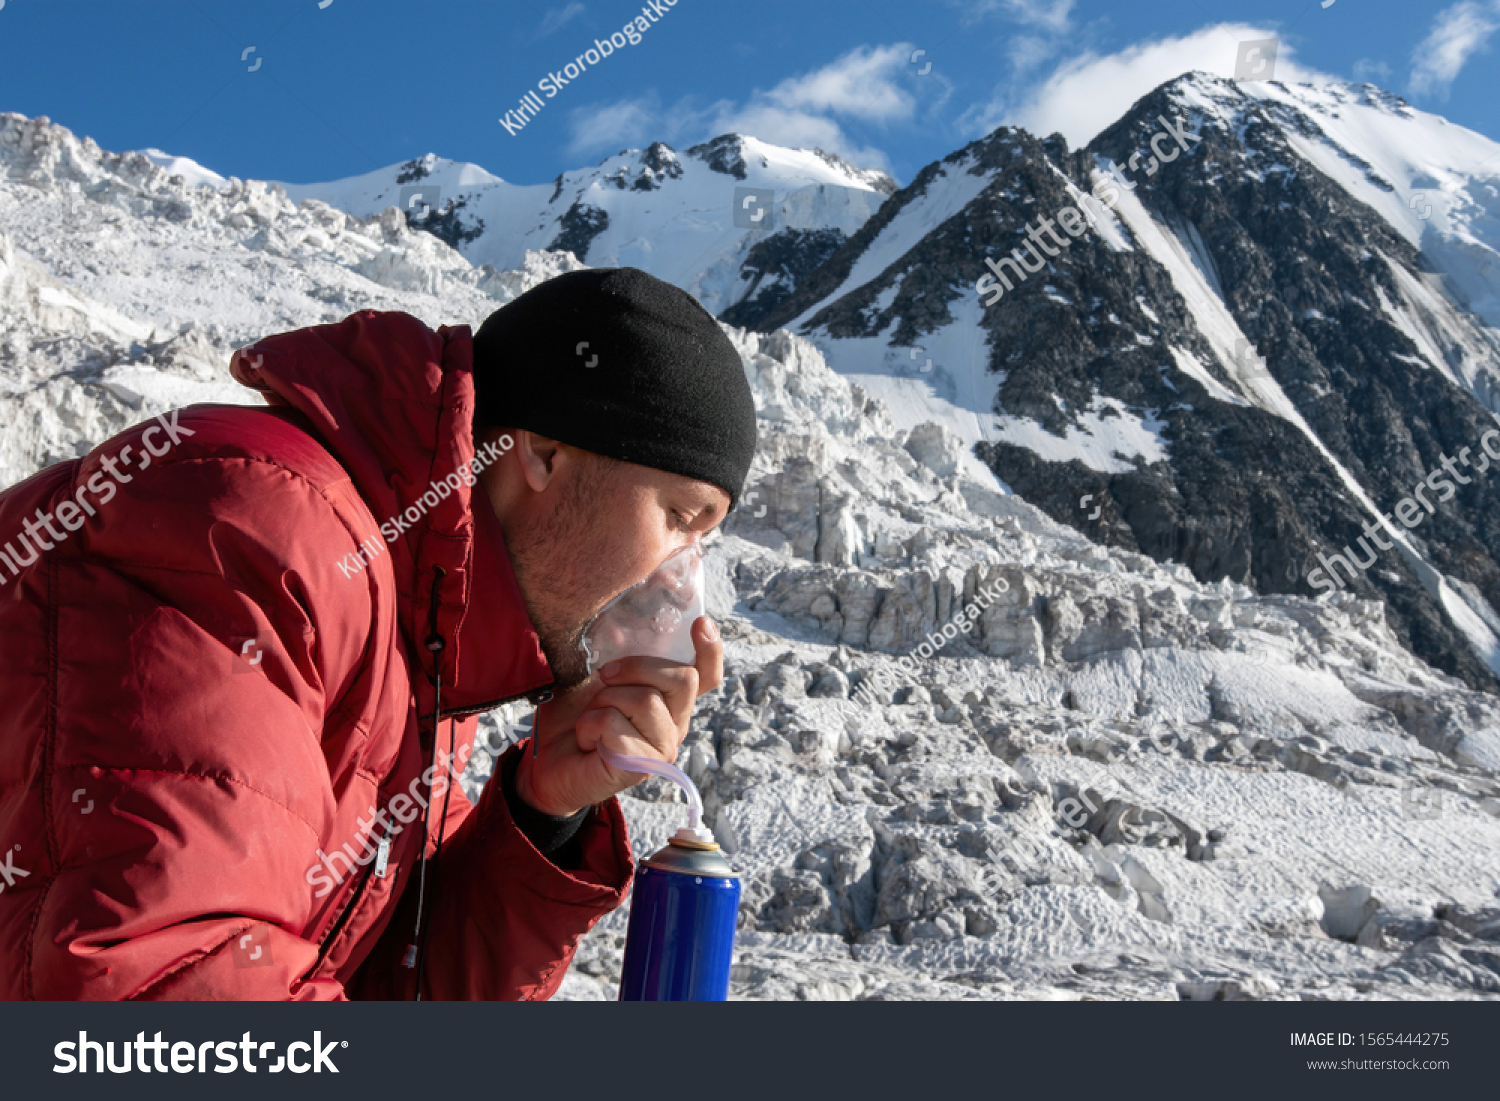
[[1435, 182], [671, 214], [1283, 323], [1118, 780]]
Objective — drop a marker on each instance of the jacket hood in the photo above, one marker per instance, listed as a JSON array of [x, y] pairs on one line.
[[393, 401]]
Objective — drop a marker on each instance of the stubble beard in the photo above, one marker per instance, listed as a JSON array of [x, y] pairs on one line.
[[558, 547], [560, 634]]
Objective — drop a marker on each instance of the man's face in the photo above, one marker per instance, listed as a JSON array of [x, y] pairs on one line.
[[581, 529]]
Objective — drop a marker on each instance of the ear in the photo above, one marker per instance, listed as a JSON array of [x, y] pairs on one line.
[[537, 457]]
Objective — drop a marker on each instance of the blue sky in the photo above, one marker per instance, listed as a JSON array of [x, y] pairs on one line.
[[337, 90]]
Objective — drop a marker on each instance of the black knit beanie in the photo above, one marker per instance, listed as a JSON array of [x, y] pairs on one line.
[[614, 361]]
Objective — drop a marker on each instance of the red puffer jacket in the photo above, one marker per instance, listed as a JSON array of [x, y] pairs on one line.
[[210, 690]]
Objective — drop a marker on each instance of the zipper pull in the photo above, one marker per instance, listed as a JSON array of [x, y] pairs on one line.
[[382, 856]]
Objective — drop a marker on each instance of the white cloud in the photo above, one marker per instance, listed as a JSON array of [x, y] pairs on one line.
[[1050, 15], [801, 111], [1369, 71], [1457, 34], [1028, 52], [557, 18], [861, 84], [1086, 93], [624, 125], [798, 130]]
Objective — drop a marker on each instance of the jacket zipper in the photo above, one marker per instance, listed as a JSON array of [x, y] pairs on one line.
[[338, 926], [537, 696]]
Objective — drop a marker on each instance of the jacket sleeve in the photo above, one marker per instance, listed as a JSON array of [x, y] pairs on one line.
[[503, 920], [197, 647]]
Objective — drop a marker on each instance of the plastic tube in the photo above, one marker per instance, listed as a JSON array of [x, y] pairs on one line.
[[694, 827]]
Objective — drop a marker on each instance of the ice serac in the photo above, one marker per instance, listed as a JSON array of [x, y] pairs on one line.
[[127, 285], [1115, 781]]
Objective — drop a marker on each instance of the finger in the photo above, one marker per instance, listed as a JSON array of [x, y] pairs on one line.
[[609, 729], [678, 683], [557, 716], [660, 673], [651, 721], [710, 649]]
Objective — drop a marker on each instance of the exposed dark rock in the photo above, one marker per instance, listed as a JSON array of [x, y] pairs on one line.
[[1242, 492], [775, 267], [412, 171], [448, 224], [723, 154], [580, 225]]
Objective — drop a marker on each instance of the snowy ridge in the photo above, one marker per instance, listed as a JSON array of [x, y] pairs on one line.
[[1436, 183], [1225, 335], [127, 287], [667, 213], [939, 357], [953, 187]]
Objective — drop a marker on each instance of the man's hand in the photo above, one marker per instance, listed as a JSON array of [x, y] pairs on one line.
[[639, 707]]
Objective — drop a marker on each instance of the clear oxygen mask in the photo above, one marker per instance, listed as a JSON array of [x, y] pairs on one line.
[[654, 618]]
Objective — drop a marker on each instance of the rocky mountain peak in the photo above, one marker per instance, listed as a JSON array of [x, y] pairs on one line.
[[724, 154]]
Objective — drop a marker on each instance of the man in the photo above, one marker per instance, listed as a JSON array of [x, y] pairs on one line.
[[237, 685]]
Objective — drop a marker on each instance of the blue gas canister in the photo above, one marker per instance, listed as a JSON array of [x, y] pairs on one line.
[[680, 940]]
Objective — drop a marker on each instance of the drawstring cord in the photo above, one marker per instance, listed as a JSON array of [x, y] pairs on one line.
[[416, 951], [438, 851]]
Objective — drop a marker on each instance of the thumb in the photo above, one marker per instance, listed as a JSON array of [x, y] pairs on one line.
[[710, 650]]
